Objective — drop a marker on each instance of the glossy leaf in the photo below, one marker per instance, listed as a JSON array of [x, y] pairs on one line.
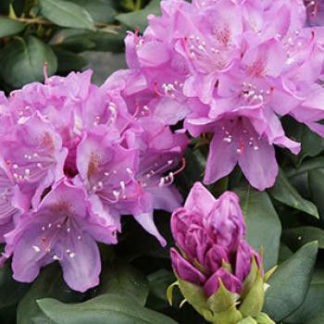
[[69, 61], [139, 17], [317, 320], [22, 61], [9, 27], [312, 306], [66, 14], [284, 192], [299, 236], [290, 283], [124, 280], [100, 10], [97, 41], [104, 309], [263, 225], [49, 284], [10, 290], [311, 143], [316, 188], [159, 282]]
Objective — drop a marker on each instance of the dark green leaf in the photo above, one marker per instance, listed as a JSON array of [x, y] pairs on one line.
[[263, 225], [100, 10], [104, 309], [194, 171], [312, 306], [284, 192], [284, 253], [124, 280], [66, 14], [49, 284], [134, 242], [310, 165], [97, 41], [10, 27], [22, 61], [316, 320], [139, 18], [299, 176], [69, 61], [311, 143], [299, 236], [159, 282], [10, 290], [290, 283], [316, 188]]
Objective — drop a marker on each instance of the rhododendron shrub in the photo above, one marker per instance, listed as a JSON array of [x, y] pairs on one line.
[[178, 178]]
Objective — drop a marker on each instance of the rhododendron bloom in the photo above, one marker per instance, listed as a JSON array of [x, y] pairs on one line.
[[208, 233], [60, 230], [245, 63], [217, 271], [74, 159]]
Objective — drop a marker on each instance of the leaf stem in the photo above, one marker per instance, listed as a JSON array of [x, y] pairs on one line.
[[38, 21]]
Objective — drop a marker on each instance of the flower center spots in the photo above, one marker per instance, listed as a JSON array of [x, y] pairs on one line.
[[257, 69], [206, 58], [93, 166], [223, 35], [47, 142]]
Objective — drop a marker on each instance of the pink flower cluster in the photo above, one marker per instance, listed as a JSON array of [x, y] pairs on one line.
[[74, 158], [233, 68]]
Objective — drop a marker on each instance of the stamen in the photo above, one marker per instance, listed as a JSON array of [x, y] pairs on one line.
[[45, 71], [183, 166], [36, 248]]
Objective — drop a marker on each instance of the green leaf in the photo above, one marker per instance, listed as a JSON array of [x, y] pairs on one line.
[[315, 182], [104, 309], [100, 10], [284, 192], [159, 282], [290, 283], [66, 14], [22, 61], [312, 307], [317, 320], [309, 165], [263, 224], [124, 280], [284, 253], [139, 18], [311, 143], [10, 290], [69, 61], [9, 27], [48, 284], [299, 236], [194, 171], [96, 41]]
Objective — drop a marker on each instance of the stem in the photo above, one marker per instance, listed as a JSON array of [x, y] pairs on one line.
[[38, 21]]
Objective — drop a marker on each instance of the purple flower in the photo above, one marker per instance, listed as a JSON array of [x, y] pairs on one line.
[[315, 12], [131, 180], [232, 68], [210, 235], [60, 230], [12, 201], [34, 155], [71, 144]]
